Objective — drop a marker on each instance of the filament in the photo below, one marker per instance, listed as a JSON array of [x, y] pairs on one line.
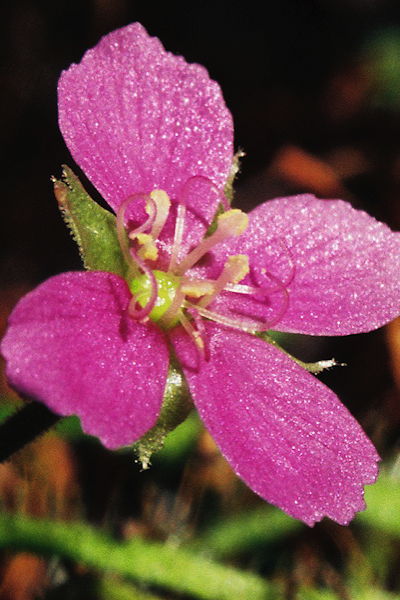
[[194, 335], [178, 236], [224, 320]]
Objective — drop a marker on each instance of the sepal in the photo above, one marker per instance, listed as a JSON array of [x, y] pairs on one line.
[[177, 404], [92, 227]]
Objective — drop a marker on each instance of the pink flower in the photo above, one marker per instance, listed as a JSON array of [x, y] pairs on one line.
[[154, 136]]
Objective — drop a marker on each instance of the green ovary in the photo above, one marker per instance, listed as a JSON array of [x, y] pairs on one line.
[[167, 284]]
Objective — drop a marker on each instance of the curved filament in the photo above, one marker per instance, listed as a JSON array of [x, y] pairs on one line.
[[123, 238], [285, 303], [149, 223]]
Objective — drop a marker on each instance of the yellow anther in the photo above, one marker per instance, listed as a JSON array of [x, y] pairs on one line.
[[163, 203], [197, 289], [237, 267], [233, 221], [149, 249], [161, 199], [144, 238]]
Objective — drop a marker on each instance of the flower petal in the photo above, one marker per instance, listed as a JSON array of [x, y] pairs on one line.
[[71, 346], [283, 432], [137, 118], [343, 267]]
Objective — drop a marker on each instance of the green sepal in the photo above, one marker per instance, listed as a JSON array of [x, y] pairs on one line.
[[92, 227], [176, 406]]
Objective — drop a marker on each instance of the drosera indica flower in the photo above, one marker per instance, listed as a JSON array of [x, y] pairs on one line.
[[154, 136]]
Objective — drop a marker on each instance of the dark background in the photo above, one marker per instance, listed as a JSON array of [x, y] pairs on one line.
[[314, 88], [296, 73]]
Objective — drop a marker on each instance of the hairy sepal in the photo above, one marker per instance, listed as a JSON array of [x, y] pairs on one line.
[[92, 227], [177, 404]]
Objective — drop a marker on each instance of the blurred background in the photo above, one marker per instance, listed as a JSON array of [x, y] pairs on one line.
[[314, 88]]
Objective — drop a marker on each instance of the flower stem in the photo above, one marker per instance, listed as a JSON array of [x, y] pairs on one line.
[[23, 426]]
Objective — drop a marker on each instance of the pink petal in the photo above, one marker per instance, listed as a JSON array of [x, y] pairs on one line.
[[283, 432], [71, 346], [136, 118], [344, 267]]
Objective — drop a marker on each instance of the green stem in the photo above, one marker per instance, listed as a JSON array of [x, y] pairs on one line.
[[148, 562], [23, 426]]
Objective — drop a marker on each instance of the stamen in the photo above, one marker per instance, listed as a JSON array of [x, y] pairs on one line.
[[151, 210], [194, 335], [201, 329], [233, 221], [196, 288], [162, 203], [224, 320], [148, 251], [292, 273], [178, 236], [123, 238], [285, 283], [285, 303], [235, 269], [230, 224], [240, 288]]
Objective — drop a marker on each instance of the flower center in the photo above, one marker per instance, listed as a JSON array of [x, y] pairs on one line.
[[167, 287], [174, 295]]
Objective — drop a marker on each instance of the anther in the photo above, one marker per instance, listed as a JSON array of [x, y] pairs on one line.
[[233, 221], [148, 250], [235, 269], [162, 203], [196, 288], [230, 224]]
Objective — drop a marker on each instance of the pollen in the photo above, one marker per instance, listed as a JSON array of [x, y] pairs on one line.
[[233, 221], [148, 251], [238, 267], [197, 288]]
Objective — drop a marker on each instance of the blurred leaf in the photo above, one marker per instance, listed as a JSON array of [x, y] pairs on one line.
[[6, 409], [382, 53], [70, 427], [178, 443], [145, 561], [383, 505], [93, 228], [112, 588], [244, 531], [314, 594]]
